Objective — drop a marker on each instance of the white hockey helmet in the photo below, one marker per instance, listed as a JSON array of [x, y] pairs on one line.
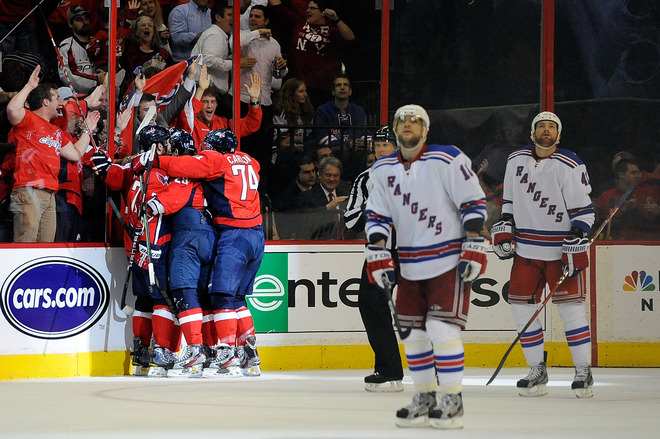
[[414, 111], [546, 115]]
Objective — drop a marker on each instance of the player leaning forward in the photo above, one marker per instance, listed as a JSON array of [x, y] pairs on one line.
[[429, 194], [546, 199]]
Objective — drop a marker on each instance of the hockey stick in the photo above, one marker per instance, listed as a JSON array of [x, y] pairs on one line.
[[68, 80], [126, 309], [559, 282], [403, 333]]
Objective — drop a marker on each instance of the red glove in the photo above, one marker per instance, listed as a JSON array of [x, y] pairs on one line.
[[472, 260], [380, 265], [574, 256]]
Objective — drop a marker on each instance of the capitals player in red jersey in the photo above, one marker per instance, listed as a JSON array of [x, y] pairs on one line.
[[547, 214], [152, 310], [230, 181], [431, 197]]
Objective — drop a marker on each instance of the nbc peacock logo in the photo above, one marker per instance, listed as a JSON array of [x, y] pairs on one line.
[[639, 281]]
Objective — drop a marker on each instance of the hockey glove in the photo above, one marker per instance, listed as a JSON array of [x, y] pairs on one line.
[[379, 265], [574, 256], [155, 207], [135, 226], [503, 243], [472, 260], [141, 161], [101, 163]]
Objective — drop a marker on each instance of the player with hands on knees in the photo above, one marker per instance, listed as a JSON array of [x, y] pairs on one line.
[[546, 192], [440, 253]]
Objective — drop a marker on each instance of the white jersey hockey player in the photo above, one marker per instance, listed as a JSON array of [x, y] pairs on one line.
[[546, 201], [430, 195]]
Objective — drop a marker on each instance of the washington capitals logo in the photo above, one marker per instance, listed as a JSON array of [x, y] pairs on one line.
[[164, 179], [638, 281]]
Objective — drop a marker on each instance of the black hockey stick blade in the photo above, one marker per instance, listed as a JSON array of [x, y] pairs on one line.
[[403, 333]]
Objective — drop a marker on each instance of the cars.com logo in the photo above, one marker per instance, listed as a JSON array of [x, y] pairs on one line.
[[54, 297]]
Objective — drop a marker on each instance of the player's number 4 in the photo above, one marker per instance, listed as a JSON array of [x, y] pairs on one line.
[[249, 177]]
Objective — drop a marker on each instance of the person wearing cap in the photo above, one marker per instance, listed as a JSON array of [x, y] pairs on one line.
[[372, 303], [82, 73], [546, 216], [429, 195]]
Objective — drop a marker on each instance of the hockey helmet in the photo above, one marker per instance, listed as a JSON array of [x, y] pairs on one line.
[[182, 142], [546, 115], [414, 111], [385, 134], [153, 134], [223, 141]]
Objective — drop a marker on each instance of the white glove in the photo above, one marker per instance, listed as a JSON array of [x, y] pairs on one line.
[[574, 256], [503, 243], [472, 260], [379, 265], [155, 207]]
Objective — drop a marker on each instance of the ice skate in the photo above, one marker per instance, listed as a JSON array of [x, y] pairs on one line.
[[583, 382], [140, 357], [190, 362], [249, 358], [162, 361], [382, 383], [224, 364], [448, 414], [534, 383], [416, 414]]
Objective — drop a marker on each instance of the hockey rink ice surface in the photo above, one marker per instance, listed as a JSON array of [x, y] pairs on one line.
[[322, 404]]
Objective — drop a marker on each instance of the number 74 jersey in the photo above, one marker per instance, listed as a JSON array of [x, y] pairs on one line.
[[230, 181]]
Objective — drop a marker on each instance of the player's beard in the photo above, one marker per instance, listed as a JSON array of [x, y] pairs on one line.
[[546, 143], [411, 143]]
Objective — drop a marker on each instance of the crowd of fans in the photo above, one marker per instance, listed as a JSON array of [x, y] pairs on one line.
[[297, 116]]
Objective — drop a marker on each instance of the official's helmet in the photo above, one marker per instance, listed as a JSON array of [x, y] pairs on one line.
[[182, 142], [385, 134], [153, 134], [223, 141]]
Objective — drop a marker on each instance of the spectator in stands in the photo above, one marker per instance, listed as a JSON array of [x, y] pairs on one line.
[[204, 107], [316, 40], [187, 22], [325, 202], [97, 49], [289, 198], [39, 145], [73, 51], [143, 48], [638, 217], [348, 145], [24, 37], [214, 45], [268, 64]]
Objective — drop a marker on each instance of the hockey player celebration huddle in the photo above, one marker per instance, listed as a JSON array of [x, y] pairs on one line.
[[188, 200]]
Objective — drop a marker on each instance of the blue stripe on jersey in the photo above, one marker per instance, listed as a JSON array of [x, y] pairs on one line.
[[436, 251], [474, 207], [543, 238]]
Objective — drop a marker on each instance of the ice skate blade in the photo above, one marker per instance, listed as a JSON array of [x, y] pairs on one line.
[[188, 372], [584, 393], [229, 372], [538, 390], [418, 422], [140, 371], [447, 424], [157, 372], [252, 371], [387, 386]]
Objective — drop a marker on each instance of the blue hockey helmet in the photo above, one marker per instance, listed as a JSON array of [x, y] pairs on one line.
[[153, 134], [182, 142], [223, 141]]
